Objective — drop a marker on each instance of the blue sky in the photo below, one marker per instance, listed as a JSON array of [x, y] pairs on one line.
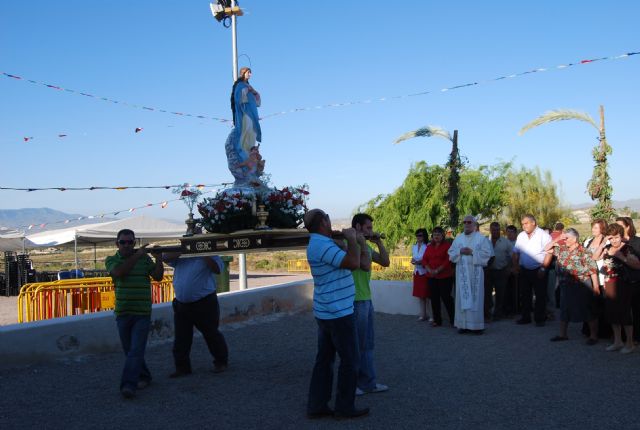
[[174, 55]]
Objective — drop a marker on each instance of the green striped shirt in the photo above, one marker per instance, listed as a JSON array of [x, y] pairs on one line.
[[133, 292]]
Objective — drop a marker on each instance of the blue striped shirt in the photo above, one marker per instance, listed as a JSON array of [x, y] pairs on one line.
[[333, 287]]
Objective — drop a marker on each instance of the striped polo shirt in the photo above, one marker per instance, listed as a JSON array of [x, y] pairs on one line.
[[133, 292], [333, 287]]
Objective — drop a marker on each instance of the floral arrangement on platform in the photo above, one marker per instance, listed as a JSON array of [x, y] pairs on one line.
[[231, 211], [227, 212], [286, 207], [188, 194]]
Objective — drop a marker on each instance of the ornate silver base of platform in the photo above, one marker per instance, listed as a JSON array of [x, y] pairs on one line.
[[243, 241]]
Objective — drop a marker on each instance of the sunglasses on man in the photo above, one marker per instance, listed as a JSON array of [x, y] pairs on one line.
[[126, 242]]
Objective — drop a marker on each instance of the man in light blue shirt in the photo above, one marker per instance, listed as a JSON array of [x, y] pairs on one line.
[[333, 295], [196, 304]]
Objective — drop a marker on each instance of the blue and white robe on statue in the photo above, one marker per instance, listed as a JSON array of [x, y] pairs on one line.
[[470, 279]]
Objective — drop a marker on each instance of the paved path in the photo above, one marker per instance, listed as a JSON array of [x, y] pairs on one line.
[[512, 377]]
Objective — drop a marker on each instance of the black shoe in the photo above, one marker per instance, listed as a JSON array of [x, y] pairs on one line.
[[128, 393], [326, 412], [180, 373], [463, 331], [522, 322], [355, 413], [219, 368], [540, 323], [477, 332], [591, 342]]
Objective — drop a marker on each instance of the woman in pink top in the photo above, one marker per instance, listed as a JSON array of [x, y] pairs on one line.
[[440, 275]]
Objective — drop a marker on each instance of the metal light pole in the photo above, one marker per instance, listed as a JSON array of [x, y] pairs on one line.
[[233, 12]]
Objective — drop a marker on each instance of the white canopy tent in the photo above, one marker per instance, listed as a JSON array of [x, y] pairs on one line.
[[12, 240], [146, 229]]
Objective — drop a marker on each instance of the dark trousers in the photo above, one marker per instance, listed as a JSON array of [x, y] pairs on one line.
[[511, 295], [441, 290], [204, 314], [529, 282], [635, 309], [495, 279], [335, 335]]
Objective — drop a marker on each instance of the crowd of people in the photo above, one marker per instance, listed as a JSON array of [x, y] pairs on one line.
[[595, 282]]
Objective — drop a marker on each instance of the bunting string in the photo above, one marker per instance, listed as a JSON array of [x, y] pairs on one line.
[[317, 107], [110, 100], [455, 87], [119, 188], [162, 205]]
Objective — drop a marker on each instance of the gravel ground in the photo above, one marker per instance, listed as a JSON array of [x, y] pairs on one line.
[[511, 377]]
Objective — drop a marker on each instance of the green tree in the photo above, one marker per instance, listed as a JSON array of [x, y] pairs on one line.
[[530, 191], [454, 166], [599, 186], [421, 199]]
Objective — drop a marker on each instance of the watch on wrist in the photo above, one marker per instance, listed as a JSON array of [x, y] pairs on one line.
[[542, 269]]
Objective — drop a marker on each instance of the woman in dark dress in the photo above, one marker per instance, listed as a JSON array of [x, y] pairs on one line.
[[578, 283], [618, 259], [633, 241]]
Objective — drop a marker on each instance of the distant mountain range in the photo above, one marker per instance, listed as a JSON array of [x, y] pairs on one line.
[[53, 219], [633, 204]]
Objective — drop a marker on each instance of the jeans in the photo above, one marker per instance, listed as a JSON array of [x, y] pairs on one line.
[[204, 314], [529, 283], [335, 335], [363, 311], [134, 330]]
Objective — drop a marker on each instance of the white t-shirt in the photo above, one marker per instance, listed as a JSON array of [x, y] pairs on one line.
[[531, 249]]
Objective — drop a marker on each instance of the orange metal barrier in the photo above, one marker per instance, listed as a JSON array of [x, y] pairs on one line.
[[45, 300], [402, 262]]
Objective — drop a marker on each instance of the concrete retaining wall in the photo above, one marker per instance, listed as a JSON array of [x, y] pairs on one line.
[[38, 341], [394, 297], [22, 344]]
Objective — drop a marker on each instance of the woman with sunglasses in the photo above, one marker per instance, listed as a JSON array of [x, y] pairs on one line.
[[420, 285], [440, 274]]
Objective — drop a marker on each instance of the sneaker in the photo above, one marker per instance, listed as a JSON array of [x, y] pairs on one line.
[[379, 388], [128, 392], [591, 342], [613, 347], [627, 350], [143, 383]]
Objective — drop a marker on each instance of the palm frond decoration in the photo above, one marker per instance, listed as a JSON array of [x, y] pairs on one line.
[[428, 131], [558, 115]]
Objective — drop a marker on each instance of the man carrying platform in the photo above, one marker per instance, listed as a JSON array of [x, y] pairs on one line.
[[333, 294], [130, 270], [196, 304]]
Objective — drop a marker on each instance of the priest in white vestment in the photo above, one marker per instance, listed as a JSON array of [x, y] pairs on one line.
[[470, 252]]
